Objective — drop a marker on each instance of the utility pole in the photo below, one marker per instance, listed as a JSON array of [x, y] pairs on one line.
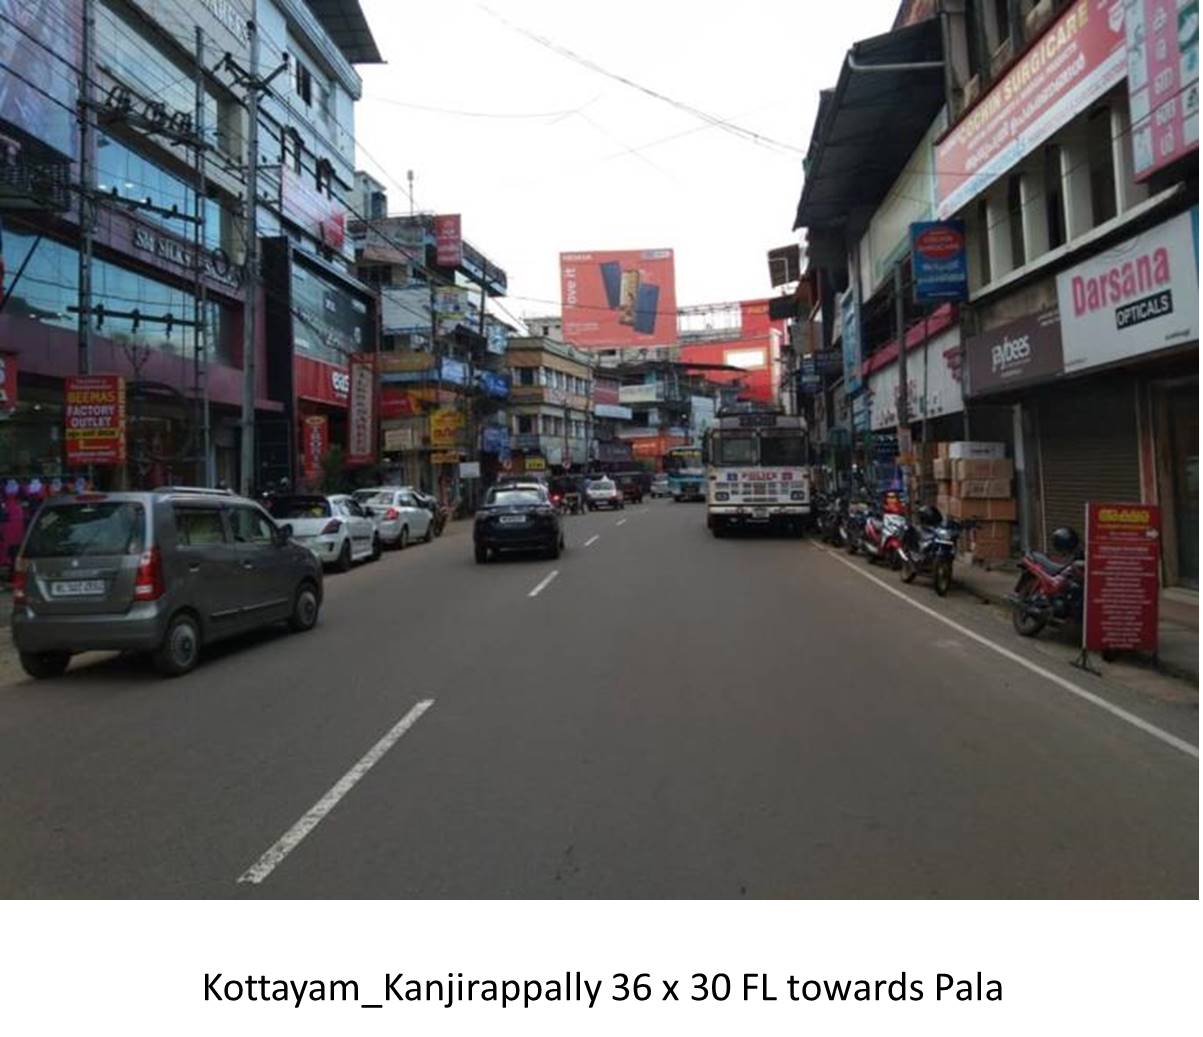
[[200, 359], [86, 186], [904, 425], [254, 85], [409, 176]]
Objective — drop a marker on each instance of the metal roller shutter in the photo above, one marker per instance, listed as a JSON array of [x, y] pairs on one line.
[[1088, 451]]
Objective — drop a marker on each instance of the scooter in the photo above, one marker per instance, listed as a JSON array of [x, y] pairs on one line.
[[883, 532], [931, 548], [1049, 590], [851, 528]]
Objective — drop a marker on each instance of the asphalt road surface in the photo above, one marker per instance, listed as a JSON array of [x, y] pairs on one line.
[[668, 716]]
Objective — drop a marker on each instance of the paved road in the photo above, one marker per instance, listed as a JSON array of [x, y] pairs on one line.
[[671, 716]]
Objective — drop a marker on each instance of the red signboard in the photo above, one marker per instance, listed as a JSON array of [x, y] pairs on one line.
[[315, 441], [320, 382], [1122, 562], [94, 414], [618, 299], [8, 381], [1163, 82], [361, 413], [1077, 59], [319, 214], [448, 242]]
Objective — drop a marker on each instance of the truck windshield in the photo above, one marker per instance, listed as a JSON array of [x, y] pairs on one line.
[[783, 450], [737, 450]]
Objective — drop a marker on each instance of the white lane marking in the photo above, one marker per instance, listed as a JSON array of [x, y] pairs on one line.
[[312, 817], [542, 584], [620, 522], [1095, 700], [593, 539]]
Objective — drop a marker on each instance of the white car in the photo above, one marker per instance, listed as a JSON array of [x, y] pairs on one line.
[[603, 493], [336, 528], [400, 518]]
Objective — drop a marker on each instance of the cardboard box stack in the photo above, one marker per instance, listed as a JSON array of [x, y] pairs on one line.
[[974, 481]]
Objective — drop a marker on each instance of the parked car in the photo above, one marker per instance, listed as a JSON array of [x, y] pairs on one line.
[[517, 517], [660, 485], [603, 493], [164, 572], [400, 517], [337, 529]]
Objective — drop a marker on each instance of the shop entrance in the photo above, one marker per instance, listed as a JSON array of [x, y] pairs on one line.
[[1182, 411]]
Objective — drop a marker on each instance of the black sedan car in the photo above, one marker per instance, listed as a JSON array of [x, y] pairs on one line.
[[517, 518]]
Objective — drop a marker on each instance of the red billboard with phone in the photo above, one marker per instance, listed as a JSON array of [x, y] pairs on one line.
[[611, 300], [1123, 554]]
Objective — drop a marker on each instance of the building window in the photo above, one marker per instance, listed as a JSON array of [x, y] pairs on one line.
[[1102, 166], [983, 240], [526, 424], [1054, 196], [323, 174], [292, 149], [1015, 215], [526, 375], [303, 82]]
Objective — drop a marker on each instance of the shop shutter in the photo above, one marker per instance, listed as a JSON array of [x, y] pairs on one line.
[[1088, 450]]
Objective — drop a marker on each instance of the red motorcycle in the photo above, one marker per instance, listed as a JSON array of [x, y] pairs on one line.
[[1049, 590], [882, 538]]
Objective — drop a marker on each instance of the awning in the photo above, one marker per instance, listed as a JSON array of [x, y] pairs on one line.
[[870, 124], [344, 20]]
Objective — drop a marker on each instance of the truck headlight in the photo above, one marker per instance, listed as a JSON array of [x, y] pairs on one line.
[[719, 495]]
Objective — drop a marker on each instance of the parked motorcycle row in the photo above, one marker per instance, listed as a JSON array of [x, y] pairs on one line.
[[1049, 591]]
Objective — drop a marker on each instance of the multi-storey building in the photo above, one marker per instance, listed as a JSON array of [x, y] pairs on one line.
[[551, 409]]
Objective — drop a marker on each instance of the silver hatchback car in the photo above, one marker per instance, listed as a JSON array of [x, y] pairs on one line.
[[164, 572]]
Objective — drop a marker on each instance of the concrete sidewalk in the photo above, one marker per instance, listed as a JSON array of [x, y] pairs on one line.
[[1178, 651]]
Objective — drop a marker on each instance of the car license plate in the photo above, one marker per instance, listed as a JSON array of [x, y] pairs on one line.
[[760, 512], [75, 588], [512, 520]]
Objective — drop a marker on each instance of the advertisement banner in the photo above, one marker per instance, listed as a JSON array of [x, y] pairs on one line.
[[494, 384], [398, 403], [8, 383], [810, 381], [445, 425], [611, 300], [648, 392], [1123, 544], [445, 457], [498, 338], [319, 381], [449, 244], [361, 410], [1078, 59], [1138, 297], [1021, 352], [404, 311], [450, 307], [454, 371], [398, 439], [94, 414], [315, 441], [939, 261], [1163, 81], [405, 361], [495, 439], [850, 341]]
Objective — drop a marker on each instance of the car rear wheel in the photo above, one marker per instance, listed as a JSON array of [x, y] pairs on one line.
[[304, 609], [556, 548], [403, 538], [377, 549], [429, 532], [482, 554], [180, 650], [41, 665]]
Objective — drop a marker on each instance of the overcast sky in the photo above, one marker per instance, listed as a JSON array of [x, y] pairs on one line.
[[561, 158]]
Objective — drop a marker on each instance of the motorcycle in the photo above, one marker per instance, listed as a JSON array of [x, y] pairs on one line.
[[931, 548], [1049, 590], [851, 528], [884, 527], [828, 512]]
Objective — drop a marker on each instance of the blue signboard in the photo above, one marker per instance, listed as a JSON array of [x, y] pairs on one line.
[[809, 379], [939, 261], [850, 340], [495, 439], [494, 384], [454, 371]]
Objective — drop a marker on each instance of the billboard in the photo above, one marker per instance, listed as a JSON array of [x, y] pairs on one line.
[[1163, 81], [612, 300], [94, 414], [448, 242]]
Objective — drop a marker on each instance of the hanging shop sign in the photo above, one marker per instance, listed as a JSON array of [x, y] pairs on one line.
[[850, 341], [498, 338], [445, 425], [450, 307], [445, 457], [494, 384], [361, 410], [1078, 59], [939, 261], [534, 463], [1137, 297], [315, 442], [1123, 543], [94, 414], [1163, 81], [398, 439], [454, 371], [1020, 352], [495, 439], [810, 381], [8, 384], [448, 242]]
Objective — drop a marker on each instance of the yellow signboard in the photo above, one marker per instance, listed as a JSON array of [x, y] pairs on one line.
[[534, 464], [445, 457], [445, 424], [393, 361]]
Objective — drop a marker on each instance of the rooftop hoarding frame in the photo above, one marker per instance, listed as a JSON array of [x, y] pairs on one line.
[[619, 299]]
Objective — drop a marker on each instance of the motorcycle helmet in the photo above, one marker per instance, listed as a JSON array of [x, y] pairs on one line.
[[930, 516], [1065, 540]]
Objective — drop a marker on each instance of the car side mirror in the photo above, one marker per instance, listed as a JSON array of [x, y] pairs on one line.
[[283, 534]]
